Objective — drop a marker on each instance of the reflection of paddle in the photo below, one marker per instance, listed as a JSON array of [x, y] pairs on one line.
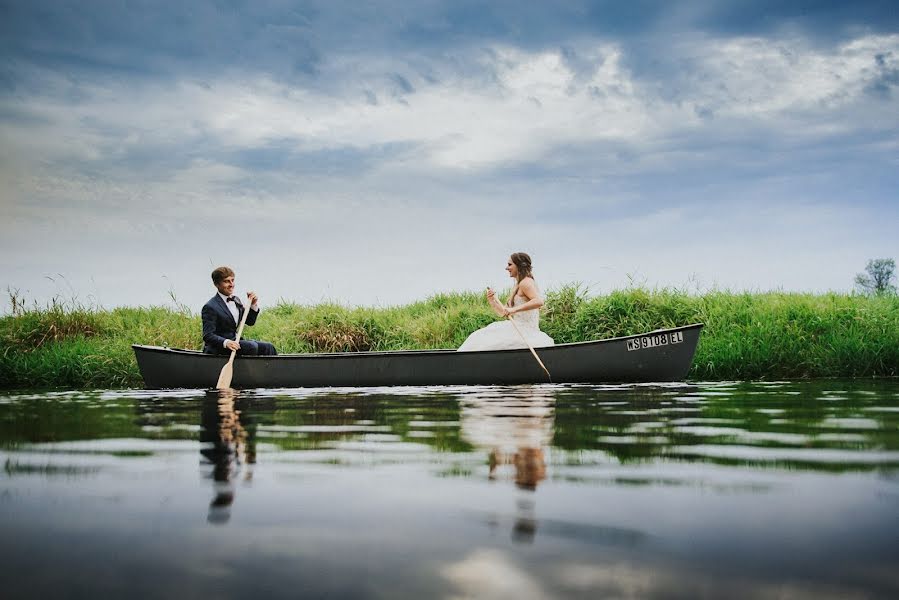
[[531, 348], [228, 370]]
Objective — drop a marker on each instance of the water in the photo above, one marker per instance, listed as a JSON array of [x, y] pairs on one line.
[[718, 490]]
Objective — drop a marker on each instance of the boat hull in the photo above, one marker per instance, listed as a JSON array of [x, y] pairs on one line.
[[663, 355]]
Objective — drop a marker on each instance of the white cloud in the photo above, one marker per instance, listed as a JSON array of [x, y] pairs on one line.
[[152, 163], [760, 77], [531, 103], [487, 573]]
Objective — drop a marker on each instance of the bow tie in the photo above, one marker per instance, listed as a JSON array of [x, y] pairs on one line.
[[233, 299]]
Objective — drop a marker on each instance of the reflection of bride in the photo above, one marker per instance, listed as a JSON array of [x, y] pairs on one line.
[[523, 306], [514, 428]]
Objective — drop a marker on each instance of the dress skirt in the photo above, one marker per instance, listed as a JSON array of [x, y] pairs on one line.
[[501, 335]]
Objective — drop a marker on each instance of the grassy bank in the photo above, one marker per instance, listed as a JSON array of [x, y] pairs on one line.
[[747, 336]]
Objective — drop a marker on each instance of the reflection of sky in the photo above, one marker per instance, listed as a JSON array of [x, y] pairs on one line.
[[381, 152], [397, 528]]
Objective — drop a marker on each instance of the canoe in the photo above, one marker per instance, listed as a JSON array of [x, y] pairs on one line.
[[657, 356]]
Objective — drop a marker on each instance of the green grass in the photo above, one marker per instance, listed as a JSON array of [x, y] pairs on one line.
[[747, 335]]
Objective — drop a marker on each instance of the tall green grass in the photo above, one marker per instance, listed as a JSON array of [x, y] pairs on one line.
[[747, 335]]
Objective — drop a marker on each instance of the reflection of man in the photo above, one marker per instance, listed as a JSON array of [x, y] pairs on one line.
[[222, 314], [228, 447]]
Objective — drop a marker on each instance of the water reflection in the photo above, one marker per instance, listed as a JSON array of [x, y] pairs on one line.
[[715, 489], [228, 447], [514, 428]]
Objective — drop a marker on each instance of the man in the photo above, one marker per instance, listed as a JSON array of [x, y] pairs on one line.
[[221, 316]]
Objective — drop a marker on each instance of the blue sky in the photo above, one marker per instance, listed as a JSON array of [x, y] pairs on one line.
[[376, 153]]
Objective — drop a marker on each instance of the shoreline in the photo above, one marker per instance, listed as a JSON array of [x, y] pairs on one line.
[[747, 336]]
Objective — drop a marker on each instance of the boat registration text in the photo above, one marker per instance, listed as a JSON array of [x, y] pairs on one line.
[[654, 341]]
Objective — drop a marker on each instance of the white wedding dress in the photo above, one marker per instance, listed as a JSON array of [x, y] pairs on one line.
[[502, 335]]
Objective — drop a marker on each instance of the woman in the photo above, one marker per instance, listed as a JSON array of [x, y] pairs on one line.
[[523, 307]]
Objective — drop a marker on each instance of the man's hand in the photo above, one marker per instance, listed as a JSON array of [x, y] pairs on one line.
[[253, 298], [232, 345]]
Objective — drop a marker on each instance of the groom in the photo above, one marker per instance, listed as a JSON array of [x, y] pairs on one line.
[[221, 316]]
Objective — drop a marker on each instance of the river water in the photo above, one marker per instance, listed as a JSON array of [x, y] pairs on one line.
[[718, 490]]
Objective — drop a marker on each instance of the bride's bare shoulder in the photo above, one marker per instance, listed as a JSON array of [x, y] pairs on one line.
[[527, 287]]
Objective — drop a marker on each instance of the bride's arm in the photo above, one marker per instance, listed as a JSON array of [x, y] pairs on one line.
[[528, 289], [498, 308]]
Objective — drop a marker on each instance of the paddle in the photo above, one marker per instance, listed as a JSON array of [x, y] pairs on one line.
[[531, 348], [224, 381]]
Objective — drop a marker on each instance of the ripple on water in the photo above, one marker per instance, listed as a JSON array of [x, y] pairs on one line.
[[281, 434], [707, 431], [114, 446], [324, 428], [841, 437], [677, 410], [706, 421], [744, 436], [804, 455], [633, 439], [850, 423], [646, 425]]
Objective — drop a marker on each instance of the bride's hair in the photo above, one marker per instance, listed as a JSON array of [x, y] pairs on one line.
[[523, 262]]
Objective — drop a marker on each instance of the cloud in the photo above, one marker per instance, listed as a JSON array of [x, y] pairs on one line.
[[494, 574], [489, 573], [506, 106], [455, 128]]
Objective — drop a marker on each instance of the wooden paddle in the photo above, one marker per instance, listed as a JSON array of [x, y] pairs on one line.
[[224, 381], [531, 348]]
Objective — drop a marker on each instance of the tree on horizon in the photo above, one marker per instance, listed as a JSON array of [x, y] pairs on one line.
[[878, 277]]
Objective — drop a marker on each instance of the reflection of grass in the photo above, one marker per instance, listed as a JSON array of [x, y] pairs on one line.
[[747, 336], [798, 426], [50, 420], [16, 468], [591, 429], [454, 471], [843, 466]]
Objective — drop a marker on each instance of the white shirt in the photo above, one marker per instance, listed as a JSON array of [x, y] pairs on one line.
[[232, 306]]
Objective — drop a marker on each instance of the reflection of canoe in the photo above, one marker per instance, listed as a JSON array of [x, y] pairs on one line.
[[663, 355]]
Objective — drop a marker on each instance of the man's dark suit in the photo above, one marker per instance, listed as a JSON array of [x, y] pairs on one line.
[[219, 325]]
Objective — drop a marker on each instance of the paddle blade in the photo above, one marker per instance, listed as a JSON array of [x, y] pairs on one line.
[[224, 381]]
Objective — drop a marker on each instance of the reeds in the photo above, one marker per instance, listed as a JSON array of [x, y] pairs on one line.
[[772, 335]]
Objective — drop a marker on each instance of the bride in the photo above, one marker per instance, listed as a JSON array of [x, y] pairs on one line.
[[523, 307]]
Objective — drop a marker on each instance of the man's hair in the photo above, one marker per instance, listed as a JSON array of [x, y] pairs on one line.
[[221, 274]]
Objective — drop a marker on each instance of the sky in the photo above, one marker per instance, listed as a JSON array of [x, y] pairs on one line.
[[376, 153]]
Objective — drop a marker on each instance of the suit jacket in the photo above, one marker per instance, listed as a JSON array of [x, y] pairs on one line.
[[219, 325]]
